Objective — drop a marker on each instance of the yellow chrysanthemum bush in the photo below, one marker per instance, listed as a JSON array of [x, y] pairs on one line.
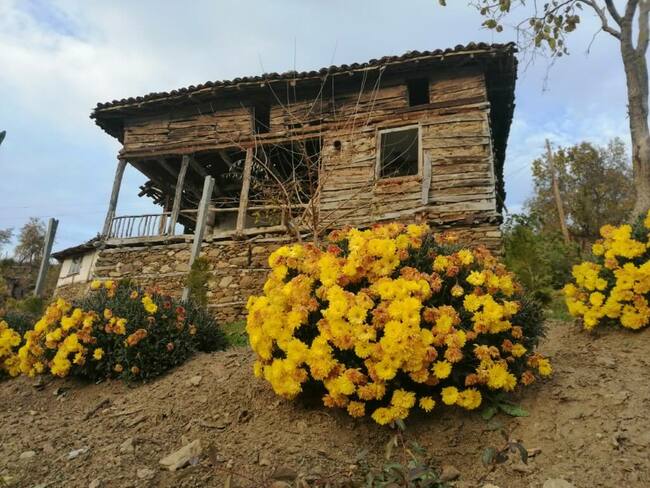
[[390, 319], [117, 330], [614, 287], [9, 342]]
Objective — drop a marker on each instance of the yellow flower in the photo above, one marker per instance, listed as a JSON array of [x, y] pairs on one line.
[[427, 403], [383, 415], [544, 367], [149, 306], [98, 354], [95, 285], [356, 409], [442, 369], [449, 395], [457, 291], [518, 350], [476, 278]]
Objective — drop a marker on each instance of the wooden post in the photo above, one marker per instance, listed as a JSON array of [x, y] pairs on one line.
[[245, 186], [556, 193], [178, 196], [45, 261], [201, 218], [115, 192]]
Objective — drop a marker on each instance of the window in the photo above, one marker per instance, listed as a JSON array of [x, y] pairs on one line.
[[418, 90], [75, 265], [399, 152], [261, 118]]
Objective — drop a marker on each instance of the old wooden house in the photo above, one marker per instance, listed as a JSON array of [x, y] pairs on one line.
[[239, 167]]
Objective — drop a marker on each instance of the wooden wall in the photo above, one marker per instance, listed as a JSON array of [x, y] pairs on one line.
[[455, 134]]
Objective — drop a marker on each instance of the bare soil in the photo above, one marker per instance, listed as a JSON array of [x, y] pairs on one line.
[[589, 424]]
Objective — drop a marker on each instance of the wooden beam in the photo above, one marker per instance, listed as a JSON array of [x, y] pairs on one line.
[[201, 220], [245, 186], [45, 261], [198, 168], [115, 192], [426, 176], [176, 208]]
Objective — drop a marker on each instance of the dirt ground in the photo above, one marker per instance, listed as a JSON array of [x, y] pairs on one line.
[[589, 424]]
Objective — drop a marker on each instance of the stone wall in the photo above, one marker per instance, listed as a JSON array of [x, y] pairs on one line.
[[238, 268]]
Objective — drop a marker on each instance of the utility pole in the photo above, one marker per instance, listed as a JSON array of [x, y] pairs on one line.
[[45, 261], [556, 192]]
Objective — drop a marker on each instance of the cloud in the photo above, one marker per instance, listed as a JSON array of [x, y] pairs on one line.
[[60, 58]]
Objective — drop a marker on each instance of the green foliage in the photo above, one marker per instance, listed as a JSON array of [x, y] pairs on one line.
[[197, 281], [546, 26], [5, 237], [540, 258], [596, 188], [31, 241], [20, 321], [236, 333], [406, 464]]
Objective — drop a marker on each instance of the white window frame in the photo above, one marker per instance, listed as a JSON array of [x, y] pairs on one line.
[[378, 176], [75, 266]]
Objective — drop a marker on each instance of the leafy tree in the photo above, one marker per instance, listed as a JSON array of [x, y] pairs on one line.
[[546, 25], [31, 241], [596, 188], [5, 237]]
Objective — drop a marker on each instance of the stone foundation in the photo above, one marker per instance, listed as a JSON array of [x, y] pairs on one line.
[[238, 269]]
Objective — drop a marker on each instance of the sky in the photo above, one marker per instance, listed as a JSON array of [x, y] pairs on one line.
[[59, 58]]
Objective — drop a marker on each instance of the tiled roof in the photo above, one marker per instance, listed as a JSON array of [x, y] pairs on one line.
[[294, 75]]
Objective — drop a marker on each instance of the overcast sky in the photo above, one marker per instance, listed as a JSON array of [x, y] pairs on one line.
[[59, 58]]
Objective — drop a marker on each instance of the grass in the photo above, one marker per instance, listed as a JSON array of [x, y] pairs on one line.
[[556, 308], [236, 333]]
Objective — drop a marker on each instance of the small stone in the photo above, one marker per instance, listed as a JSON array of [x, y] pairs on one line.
[[279, 484], [283, 473], [27, 455], [127, 447], [75, 453], [96, 483], [489, 485], [184, 456], [521, 468], [225, 281], [263, 459], [449, 473], [195, 380], [534, 451], [557, 483], [146, 473]]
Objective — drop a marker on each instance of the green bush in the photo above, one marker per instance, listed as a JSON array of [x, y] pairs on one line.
[[118, 330], [541, 261], [197, 281]]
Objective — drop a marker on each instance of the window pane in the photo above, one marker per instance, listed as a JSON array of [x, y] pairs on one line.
[[399, 153]]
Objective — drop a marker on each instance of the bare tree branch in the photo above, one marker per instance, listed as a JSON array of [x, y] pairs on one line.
[[611, 8], [603, 18]]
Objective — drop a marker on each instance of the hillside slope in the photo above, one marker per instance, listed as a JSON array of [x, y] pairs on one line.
[[588, 423]]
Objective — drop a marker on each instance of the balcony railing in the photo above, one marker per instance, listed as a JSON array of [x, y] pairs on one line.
[[148, 225]]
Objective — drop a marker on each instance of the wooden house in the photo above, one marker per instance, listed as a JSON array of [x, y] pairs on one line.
[[250, 163]]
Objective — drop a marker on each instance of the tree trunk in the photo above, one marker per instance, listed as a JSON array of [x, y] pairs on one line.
[[636, 75]]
